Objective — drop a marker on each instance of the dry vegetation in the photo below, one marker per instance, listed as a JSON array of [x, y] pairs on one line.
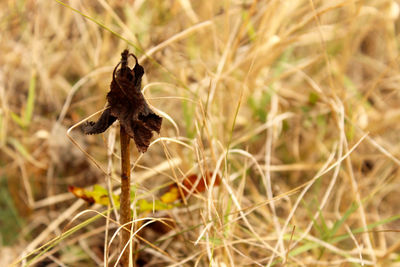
[[293, 103]]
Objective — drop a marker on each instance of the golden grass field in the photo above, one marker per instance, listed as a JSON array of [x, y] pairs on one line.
[[294, 104]]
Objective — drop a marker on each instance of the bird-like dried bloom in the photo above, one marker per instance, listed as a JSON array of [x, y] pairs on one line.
[[127, 104]]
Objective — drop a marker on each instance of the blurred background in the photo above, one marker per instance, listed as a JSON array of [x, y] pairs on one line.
[[294, 104]]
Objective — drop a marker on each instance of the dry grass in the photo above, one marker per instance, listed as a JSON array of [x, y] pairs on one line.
[[292, 103]]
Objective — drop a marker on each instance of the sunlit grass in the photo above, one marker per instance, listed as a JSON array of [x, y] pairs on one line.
[[294, 104]]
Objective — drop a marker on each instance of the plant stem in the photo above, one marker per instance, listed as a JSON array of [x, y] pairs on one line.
[[125, 199]]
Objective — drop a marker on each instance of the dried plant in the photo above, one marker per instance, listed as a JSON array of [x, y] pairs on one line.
[[127, 104]]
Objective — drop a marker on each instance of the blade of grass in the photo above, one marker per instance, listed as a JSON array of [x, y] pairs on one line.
[[24, 119], [30, 103], [308, 246], [52, 243], [17, 119], [102, 25], [25, 153]]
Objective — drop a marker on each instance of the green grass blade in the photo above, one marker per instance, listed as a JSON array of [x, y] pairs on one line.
[[353, 207], [101, 25], [49, 245], [310, 245], [17, 119], [30, 103]]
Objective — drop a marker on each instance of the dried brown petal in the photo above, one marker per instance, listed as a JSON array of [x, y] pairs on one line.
[[105, 121]]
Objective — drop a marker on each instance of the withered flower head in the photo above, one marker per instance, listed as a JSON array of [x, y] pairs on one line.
[[127, 104]]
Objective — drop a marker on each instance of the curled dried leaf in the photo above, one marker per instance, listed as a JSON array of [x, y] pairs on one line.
[[192, 183]]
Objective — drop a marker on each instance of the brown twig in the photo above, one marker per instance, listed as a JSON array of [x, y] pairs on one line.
[[125, 206]]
